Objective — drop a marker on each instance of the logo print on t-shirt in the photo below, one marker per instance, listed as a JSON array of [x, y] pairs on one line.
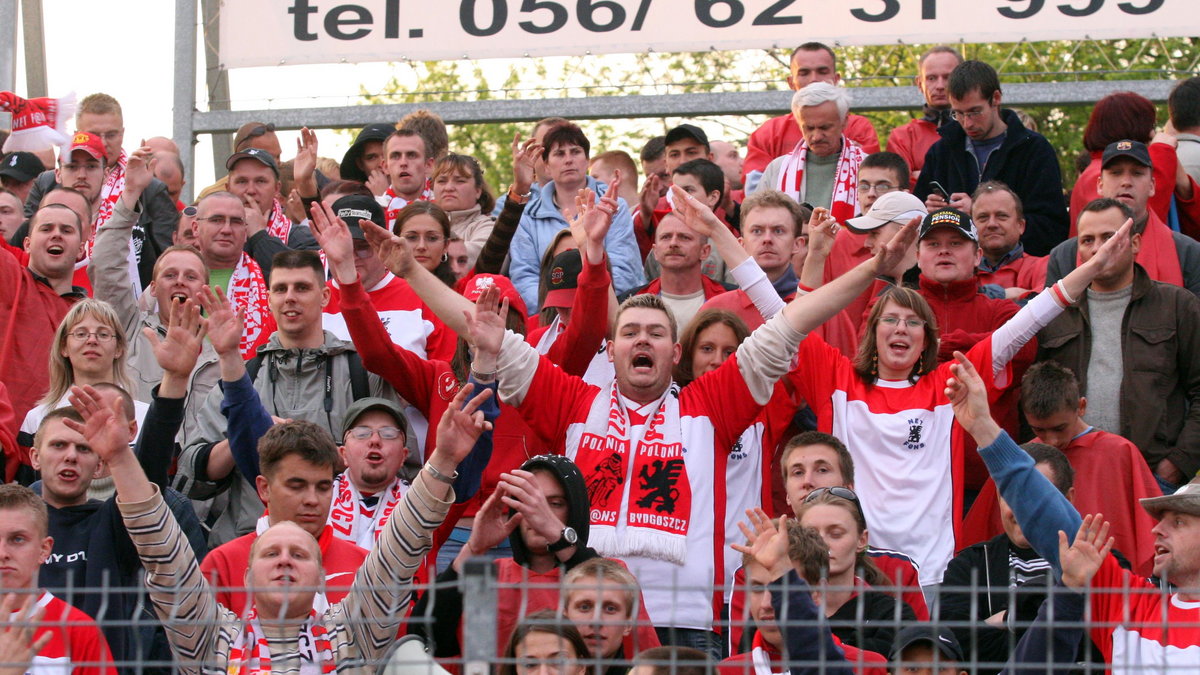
[[610, 473], [915, 426], [738, 452], [660, 485]]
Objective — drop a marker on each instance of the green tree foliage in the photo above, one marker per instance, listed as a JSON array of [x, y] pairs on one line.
[[756, 70]]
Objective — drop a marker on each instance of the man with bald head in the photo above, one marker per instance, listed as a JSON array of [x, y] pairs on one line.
[[285, 565]]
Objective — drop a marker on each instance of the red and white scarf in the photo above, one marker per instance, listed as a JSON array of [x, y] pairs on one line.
[[248, 293], [355, 522], [397, 202], [764, 656], [278, 225], [251, 654], [110, 192], [845, 178], [649, 487]]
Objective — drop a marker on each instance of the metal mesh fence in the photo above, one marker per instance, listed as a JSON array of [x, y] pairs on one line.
[[464, 626]]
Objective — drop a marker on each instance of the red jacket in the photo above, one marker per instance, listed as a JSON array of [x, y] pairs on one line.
[[1111, 475], [30, 311], [864, 662], [430, 386], [574, 349], [225, 568], [911, 141], [711, 288], [1025, 271], [779, 136]]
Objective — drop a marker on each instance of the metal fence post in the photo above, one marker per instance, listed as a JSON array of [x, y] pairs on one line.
[[479, 591]]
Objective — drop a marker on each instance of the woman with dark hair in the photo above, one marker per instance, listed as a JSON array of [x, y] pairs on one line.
[[426, 228], [860, 616], [459, 188], [1126, 116], [545, 642], [889, 406]]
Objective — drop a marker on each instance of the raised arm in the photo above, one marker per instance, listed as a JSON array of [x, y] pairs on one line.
[[701, 220], [822, 231], [108, 268], [1041, 510], [176, 355], [396, 256], [381, 590], [247, 419]]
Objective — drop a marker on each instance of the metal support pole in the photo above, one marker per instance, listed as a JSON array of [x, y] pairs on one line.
[[480, 597], [216, 80], [185, 90], [34, 32], [8, 45]]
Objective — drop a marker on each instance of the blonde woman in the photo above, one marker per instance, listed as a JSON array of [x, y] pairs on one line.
[[89, 348]]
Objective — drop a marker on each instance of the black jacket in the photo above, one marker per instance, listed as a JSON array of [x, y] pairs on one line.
[[152, 233], [869, 620], [1025, 161]]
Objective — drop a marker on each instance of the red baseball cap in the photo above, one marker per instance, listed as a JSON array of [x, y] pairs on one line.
[[481, 282], [89, 143]]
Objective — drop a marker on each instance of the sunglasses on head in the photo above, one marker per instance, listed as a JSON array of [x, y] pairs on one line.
[[836, 491], [257, 131]]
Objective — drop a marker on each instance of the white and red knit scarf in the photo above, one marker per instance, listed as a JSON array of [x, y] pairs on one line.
[[355, 522], [110, 192], [397, 202], [845, 178], [248, 292], [278, 225], [251, 654], [650, 484]]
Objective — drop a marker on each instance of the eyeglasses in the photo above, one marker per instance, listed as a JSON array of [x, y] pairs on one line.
[[222, 221], [414, 238], [959, 116], [879, 188], [385, 433], [364, 252], [837, 491], [894, 321], [82, 335]]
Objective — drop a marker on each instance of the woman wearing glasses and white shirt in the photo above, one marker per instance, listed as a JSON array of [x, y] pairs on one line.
[[889, 406], [89, 348]]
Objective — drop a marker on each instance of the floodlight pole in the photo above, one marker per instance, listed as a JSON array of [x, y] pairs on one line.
[[8, 36], [34, 32], [185, 89]]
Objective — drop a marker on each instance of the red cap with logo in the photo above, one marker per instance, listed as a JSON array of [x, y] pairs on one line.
[[481, 282], [89, 143]]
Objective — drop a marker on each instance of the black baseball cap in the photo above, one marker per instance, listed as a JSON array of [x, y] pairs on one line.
[[687, 131], [951, 218], [378, 131], [939, 638], [1134, 150], [255, 154], [21, 166], [356, 208], [562, 279]]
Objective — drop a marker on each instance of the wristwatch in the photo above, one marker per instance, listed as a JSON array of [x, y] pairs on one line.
[[568, 539]]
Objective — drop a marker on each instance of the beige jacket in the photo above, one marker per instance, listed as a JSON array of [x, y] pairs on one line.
[[109, 273], [473, 227]]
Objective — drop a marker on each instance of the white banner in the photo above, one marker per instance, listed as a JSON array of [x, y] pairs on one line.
[[277, 32]]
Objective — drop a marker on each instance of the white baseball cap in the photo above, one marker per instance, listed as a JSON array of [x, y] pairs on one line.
[[893, 207]]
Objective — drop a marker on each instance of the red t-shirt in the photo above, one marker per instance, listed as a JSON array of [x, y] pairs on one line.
[[76, 643]]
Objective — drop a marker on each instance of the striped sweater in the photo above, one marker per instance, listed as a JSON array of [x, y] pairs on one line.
[[361, 628]]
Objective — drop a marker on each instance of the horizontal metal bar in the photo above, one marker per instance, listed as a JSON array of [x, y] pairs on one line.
[[668, 105]]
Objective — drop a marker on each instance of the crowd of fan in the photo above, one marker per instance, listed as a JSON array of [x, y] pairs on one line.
[[755, 415]]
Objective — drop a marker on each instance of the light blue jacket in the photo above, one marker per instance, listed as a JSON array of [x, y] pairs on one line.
[[542, 220]]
